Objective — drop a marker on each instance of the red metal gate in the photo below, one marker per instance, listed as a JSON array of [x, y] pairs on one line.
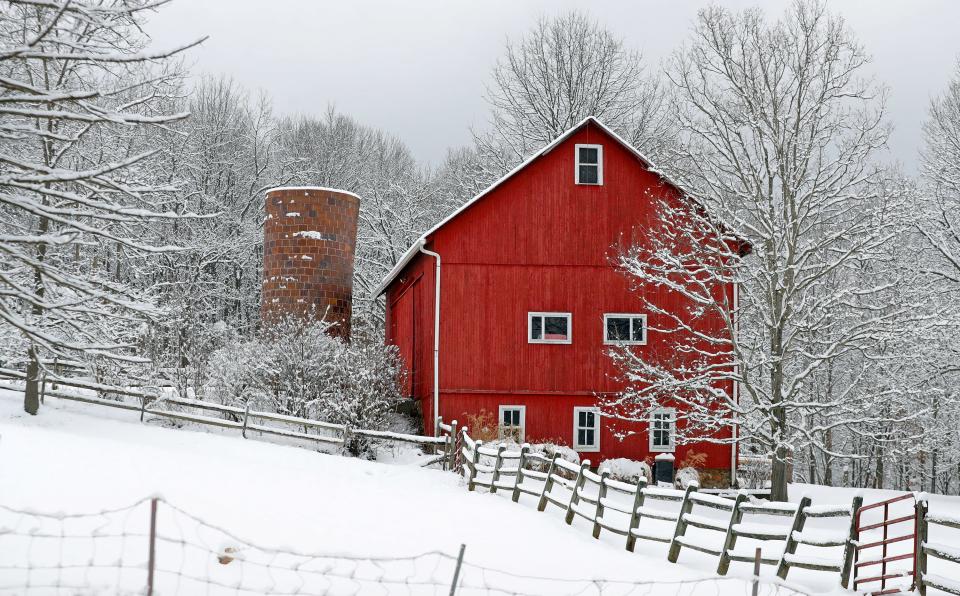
[[885, 558]]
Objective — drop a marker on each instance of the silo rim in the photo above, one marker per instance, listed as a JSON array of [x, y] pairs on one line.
[[321, 188]]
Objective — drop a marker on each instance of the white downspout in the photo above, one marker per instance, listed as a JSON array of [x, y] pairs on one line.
[[735, 447], [436, 336]]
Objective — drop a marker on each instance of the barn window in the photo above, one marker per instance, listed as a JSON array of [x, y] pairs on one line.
[[548, 328], [662, 429], [513, 420], [589, 164], [624, 329], [586, 429]]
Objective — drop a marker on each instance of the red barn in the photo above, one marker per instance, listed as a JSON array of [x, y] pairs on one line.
[[510, 304]]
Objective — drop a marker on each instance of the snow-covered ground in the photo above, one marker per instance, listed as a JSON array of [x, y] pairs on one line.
[[222, 495]]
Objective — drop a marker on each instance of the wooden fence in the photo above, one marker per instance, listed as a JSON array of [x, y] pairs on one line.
[[622, 508], [949, 554], [244, 420], [634, 510]]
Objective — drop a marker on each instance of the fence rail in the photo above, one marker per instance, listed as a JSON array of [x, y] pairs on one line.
[[949, 554], [243, 419], [629, 509], [622, 508], [155, 547]]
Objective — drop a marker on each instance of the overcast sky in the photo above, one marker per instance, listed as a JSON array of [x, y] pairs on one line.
[[417, 68]]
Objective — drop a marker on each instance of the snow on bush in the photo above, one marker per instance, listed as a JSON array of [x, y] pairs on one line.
[[686, 477], [753, 471], [546, 449], [627, 470], [298, 369]]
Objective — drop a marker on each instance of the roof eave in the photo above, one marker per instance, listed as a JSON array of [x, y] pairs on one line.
[[411, 252]]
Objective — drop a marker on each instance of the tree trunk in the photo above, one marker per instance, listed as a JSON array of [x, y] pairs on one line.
[[828, 459], [31, 397], [779, 476]]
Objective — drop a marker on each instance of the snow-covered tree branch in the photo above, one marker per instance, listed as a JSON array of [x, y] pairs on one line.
[[78, 88], [780, 134]]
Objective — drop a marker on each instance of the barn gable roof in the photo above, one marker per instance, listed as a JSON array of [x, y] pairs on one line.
[[422, 240]]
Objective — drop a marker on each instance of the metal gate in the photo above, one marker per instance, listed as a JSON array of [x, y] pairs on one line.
[[865, 567]]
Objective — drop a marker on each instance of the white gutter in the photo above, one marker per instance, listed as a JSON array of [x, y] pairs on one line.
[[436, 337]]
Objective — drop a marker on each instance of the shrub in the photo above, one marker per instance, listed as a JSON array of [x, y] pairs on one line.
[[627, 470], [482, 426], [296, 368], [687, 476]]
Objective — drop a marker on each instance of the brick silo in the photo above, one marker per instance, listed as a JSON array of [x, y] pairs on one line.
[[310, 237]]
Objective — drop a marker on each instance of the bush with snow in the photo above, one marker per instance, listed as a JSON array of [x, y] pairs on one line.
[[627, 470], [686, 477], [545, 449], [296, 368], [753, 471]]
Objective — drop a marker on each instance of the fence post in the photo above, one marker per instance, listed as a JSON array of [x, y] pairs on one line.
[[686, 506], [850, 550], [458, 465], [575, 494], [152, 559], [920, 556], [246, 415], [756, 572], [143, 406], [799, 521], [524, 450], [496, 468], [635, 514], [601, 495], [547, 483], [730, 540], [432, 447], [475, 460], [450, 462], [456, 571]]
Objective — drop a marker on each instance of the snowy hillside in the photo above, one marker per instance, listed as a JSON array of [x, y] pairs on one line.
[[78, 459]]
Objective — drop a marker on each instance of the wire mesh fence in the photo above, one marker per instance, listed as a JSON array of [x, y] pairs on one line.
[[153, 547]]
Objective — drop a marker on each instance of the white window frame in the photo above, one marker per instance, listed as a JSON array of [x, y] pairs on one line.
[[523, 420], [596, 429], [627, 342], [531, 315], [599, 164], [672, 412]]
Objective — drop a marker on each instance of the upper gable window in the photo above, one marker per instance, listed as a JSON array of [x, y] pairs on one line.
[[589, 164]]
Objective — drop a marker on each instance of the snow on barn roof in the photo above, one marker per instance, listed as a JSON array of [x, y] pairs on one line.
[[422, 240]]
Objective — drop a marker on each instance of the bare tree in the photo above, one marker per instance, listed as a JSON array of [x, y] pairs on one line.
[[939, 262], [565, 69], [399, 199], [77, 87], [941, 169], [780, 133]]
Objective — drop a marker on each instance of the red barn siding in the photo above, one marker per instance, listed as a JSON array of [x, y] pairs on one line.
[[538, 242]]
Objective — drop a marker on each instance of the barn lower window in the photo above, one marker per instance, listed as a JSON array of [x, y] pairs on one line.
[[662, 429], [512, 423], [586, 429], [624, 329], [548, 328]]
